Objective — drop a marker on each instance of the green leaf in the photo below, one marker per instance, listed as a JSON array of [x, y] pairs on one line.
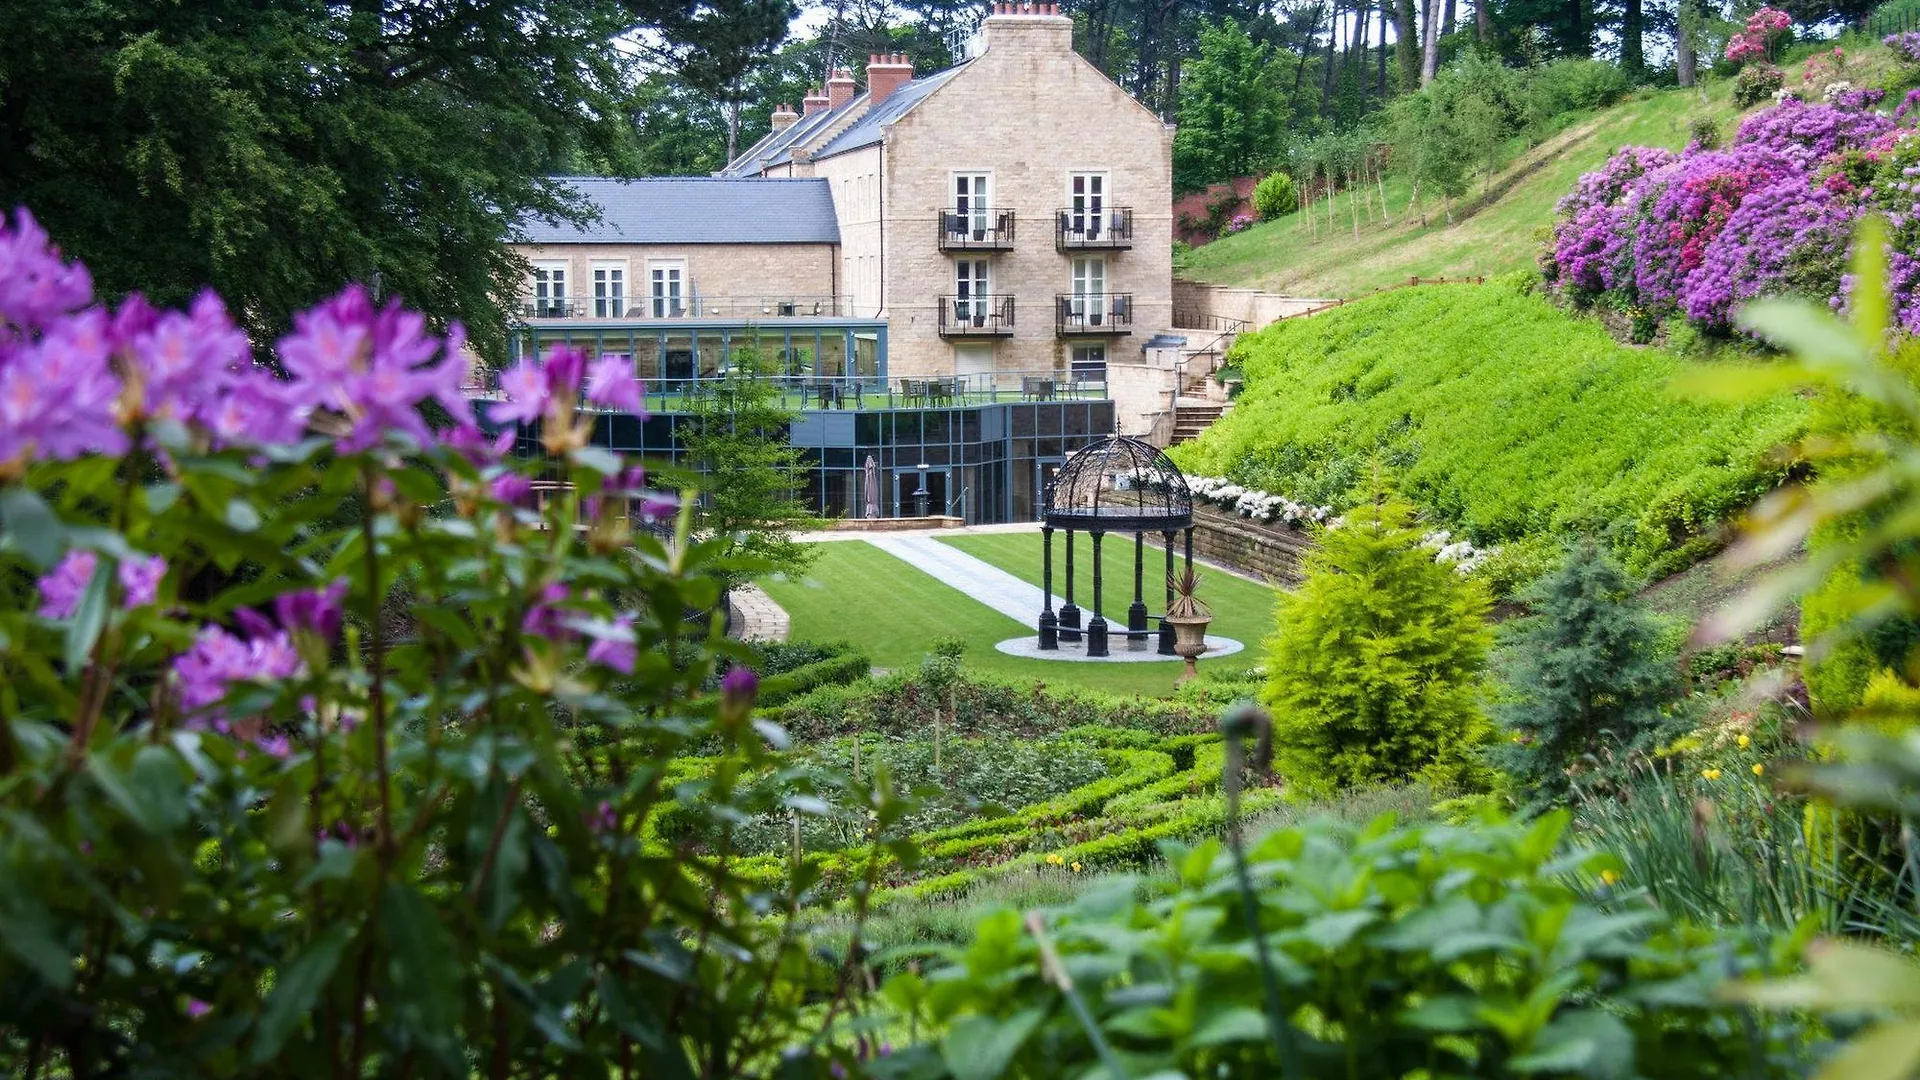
[[151, 790], [1240, 1023], [296, 989], [1587, 1041], [1332, 931], [90, 617], [1453, 1012], [28, 932], [28, 524], [423, 968], [980, 1047]]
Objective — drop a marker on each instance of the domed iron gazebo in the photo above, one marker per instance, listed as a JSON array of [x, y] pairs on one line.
[[1120, 485]]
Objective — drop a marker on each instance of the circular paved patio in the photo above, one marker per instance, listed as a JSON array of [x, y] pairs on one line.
[[1120, 650]]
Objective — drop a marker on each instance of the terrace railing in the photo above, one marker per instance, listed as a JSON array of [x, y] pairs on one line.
[[1077, 314], [869, 392], [976, 229], [1082, 230], [976, 316], [628, 309]]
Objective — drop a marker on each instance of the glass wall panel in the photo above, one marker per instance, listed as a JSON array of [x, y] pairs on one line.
[[676, 357], [710, 350], [866, 355], [833, 352], [797, 356]]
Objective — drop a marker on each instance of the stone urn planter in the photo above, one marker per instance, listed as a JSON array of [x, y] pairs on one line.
[[1189, 616]]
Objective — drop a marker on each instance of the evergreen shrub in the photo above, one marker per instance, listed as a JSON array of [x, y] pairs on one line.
[[1274, 196]]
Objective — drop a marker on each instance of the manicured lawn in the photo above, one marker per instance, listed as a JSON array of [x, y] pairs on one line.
[[1242, 609], [856, 592]]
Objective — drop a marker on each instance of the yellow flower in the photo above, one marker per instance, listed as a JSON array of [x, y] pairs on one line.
[[1744, 742], [1758, 768], [1055, 860], [1710, 774], [1517, 740], [1076, 868], [1608, 877]]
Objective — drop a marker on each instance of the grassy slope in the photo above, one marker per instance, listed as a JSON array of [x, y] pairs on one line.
[[1501, 414], [1243, 610], [854, 591], [1281, 256]]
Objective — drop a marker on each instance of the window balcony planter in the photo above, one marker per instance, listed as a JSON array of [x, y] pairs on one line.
[[976, 316], [1093, 314], [1108, 230], [987, 229]]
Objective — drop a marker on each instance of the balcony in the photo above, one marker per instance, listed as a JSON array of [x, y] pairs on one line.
[[1108, 230], [978, 229], [630, 309], [976, 316], [1090, 314]]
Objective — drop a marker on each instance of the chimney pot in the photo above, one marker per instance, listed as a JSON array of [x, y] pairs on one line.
[[815, 101], [784, 117], [885, 75], [840, 87]]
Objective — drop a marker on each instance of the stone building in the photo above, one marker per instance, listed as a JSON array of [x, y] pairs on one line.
[[965, 276]]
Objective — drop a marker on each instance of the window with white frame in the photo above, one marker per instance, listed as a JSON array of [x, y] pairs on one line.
[[666, 284], [1086, 204], [972, 288], [549, 290], [1089, 287], [609, 289], [970, 204]]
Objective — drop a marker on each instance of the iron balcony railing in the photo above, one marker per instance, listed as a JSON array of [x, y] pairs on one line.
[[976, 316], [981, 228], [1110, 229], [1093, 313], [645, 308]]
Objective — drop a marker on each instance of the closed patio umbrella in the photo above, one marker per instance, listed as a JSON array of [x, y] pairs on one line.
[[872, 485]]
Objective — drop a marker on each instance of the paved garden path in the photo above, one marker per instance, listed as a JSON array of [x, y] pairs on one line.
[[981, 580]]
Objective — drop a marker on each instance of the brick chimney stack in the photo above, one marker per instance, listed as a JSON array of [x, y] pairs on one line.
[[840, 87], [784, 117], [886, 72], [1029, 27], [815, 101]]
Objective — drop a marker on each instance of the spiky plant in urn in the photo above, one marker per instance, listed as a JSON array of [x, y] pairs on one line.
[[1189, 616]]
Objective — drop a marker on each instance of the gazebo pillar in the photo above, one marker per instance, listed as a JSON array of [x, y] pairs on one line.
[[1166, 628], [1049, 625], [1097, 626], [1189, 547], [1069, 612], [1137, 611]]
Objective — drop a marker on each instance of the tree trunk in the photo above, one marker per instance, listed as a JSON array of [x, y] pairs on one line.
[[1447, 26], [1300, 69], [1683, 48], [1633, 56], [1581, 43], [1482, 22], [733, 129], [1381, 79], [1429, 41], [1327, 65], [1406, 47]]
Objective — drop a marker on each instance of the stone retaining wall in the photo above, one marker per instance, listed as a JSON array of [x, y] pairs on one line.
[[1264, 551]]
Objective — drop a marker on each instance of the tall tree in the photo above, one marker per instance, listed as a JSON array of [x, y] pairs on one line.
[[277, 149], [1633, 52], [1231, 114], [1406, 45], [1429, 41], [1483, 21], [713, 44], [738, 440]]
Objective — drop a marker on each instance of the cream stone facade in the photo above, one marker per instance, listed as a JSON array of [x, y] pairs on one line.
[[1029, 118], [714, 280]]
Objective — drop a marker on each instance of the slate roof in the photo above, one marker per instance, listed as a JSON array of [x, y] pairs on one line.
[[777, 148], [696, 210]]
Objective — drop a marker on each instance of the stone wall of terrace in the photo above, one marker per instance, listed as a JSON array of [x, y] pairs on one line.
[[1266, 551]]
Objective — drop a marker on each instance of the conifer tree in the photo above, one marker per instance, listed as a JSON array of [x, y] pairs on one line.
[[1582, 672], [1375, 675]]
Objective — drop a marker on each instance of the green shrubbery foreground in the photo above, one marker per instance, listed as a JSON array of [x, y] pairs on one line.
[[1502, 418]]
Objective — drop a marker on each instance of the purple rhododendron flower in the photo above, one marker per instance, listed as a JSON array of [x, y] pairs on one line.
[[611, 382], [58, 392], [613, 653], [36, 285], [373, 367], [315, 610], [526, 388], [60, 591], [543, 618], [218, 659], [738, 688], [512, 489]]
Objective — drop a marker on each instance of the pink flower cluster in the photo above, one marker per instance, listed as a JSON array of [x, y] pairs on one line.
[[1755, 41], [1700, 233]]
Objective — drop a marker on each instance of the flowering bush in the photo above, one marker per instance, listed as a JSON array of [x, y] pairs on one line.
[[1266, 507], [1699, 233], [1756, 83], [1239, 223], [1906, 45], [1765, 29], [321, 751]]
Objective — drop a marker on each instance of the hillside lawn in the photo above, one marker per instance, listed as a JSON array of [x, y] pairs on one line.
[[895, 611], [1505, 234], [1503, 417]]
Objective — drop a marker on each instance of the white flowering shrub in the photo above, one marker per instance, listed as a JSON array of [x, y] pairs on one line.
[[1268, 508]]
